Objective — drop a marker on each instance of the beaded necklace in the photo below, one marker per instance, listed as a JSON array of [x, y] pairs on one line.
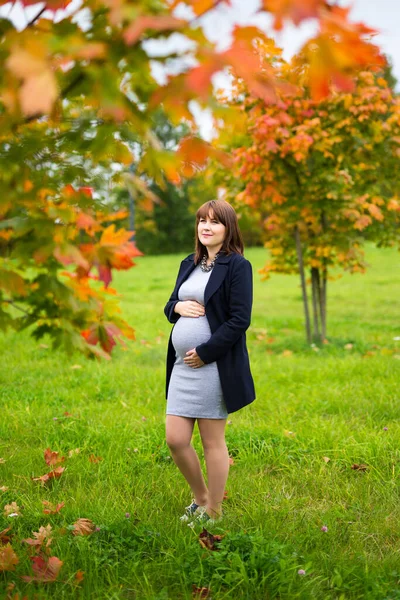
[[203, 263]]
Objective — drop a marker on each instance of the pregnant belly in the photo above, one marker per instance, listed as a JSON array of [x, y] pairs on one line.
[[189, 332]]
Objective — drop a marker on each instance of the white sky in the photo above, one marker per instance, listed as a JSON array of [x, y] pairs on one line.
[[383, 15]]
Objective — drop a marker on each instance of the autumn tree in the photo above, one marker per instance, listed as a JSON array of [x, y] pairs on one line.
[[324, 174], [76, 98]]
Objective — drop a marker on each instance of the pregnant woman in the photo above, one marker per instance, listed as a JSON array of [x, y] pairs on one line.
[[208, 369]]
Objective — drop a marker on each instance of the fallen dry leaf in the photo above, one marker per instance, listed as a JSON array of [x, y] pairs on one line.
[[40, 537], [52, 458], [79, 577], [4, 538], [52, 508], [95, 459], [12, 508], [200, 592], [326, 459], [3, 488], [360, 467], [55, 474], [8, 558], [73, 452], [208, 540], [45, 569], [287, 353], [83, 527]]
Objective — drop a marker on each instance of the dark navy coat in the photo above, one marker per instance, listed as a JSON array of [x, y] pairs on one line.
[[228, 299]]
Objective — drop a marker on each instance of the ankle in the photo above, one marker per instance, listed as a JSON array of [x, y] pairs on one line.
[[214, 512], [201, 500]]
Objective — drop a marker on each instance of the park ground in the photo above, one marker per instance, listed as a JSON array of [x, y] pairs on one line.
[[312, 508]]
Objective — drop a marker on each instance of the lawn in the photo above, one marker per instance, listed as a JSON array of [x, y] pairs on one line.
[[301, 521]]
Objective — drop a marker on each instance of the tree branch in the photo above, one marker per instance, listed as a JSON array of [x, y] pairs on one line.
[[16, 306], [41, 11]]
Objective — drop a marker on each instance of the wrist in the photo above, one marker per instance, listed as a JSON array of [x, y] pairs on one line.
[[175, 307]]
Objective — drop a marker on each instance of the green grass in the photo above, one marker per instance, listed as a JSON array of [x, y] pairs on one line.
[[310, 404]]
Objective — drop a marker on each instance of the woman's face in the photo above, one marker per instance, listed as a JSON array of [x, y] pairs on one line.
[[211, 232]]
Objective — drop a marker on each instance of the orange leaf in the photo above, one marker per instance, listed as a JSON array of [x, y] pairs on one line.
[[157, 23], [55, 474], [95, 459], [52, 458], [79, 576], [52, 508], [8, 558], [296, 10]]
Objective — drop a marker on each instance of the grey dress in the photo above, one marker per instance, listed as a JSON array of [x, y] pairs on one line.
[[194, 392]]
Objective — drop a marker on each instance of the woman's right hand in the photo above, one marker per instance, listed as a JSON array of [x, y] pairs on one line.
[[189, 308]]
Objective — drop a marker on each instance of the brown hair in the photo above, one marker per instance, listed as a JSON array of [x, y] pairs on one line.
[[225, 213]]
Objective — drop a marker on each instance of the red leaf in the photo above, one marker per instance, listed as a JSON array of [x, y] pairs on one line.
[[208, 540], [45, 569], [105, 274], [203, 592]]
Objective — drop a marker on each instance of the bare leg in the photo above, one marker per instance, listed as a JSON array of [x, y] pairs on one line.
[[179, 432], [216, 454]]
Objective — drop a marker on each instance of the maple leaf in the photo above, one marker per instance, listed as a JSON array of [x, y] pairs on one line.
[[40, 537], [52, 508], [95, 459], [50, 4], [83, 527], [45, 569], [360, 467], [8, 558], [52, 458], [12, 508], [155, 22], [296, 10], [208, 540], [200, 592], [79, 577], [55, 474], [4, 538]]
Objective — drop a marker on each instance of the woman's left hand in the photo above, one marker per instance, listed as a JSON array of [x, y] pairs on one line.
[[193, 360]]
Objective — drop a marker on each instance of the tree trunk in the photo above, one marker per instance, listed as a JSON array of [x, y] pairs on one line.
[[315, 303], [303, 283], [323, 301]]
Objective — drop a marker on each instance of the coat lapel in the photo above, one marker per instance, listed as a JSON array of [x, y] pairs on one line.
[[216, 278]]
